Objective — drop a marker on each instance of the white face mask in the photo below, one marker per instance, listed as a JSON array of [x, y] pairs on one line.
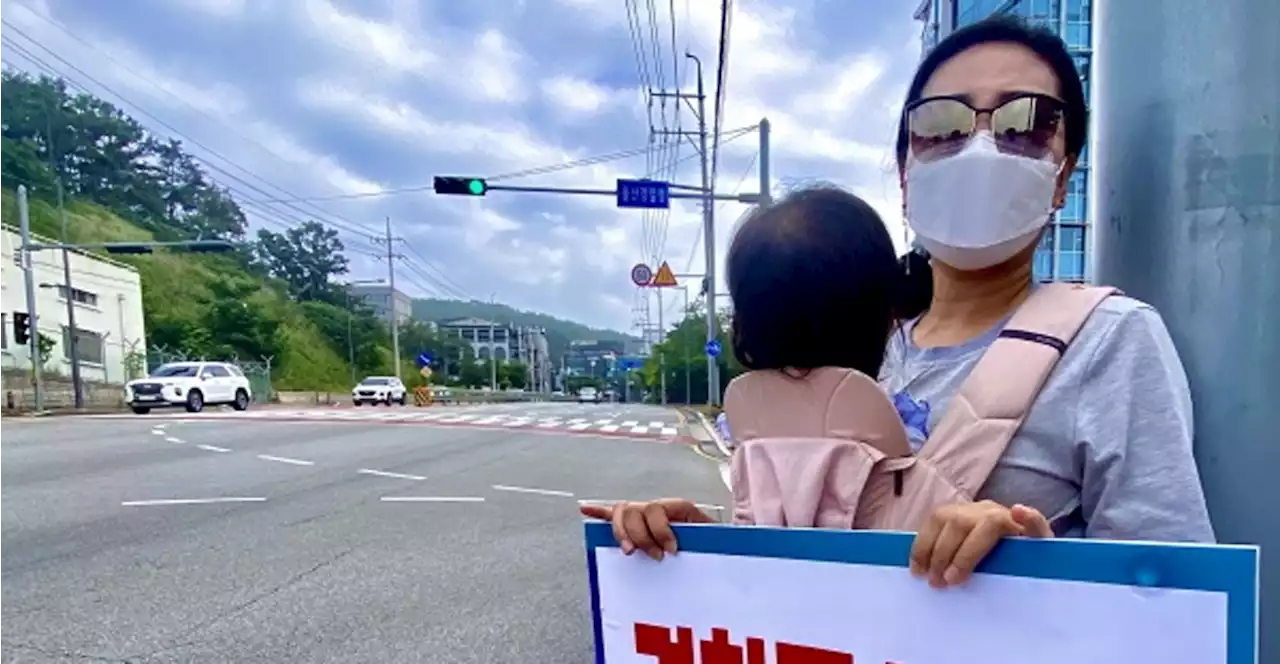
[[979, 207]]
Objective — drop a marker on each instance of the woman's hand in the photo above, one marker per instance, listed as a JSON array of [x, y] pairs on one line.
[[957, 537], [647, 525]]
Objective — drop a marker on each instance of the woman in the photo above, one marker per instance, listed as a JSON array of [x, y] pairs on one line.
[[993, 126]]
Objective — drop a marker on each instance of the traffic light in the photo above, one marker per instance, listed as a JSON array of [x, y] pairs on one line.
[[21, 328], [459, 186]]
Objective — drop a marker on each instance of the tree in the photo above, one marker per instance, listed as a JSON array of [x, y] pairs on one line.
[[513, 374], [367, 338], [305, 257], [685, 352]]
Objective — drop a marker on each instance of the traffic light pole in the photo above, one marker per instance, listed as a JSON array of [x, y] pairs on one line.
[[28, 272], [749, 199]]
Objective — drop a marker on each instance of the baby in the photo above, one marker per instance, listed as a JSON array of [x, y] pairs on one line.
[[817, 289]]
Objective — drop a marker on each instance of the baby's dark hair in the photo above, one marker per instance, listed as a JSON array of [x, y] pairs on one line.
[[814, 280]]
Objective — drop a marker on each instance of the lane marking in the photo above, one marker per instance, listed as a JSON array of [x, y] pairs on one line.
[[668, 431], [157, 432], [296, 462], [171, 439], [190, 501], [656, 425], [609, 428], [639, 429], [579, 426], [432, 499], [386, 473], [540, 492], [212, 448]]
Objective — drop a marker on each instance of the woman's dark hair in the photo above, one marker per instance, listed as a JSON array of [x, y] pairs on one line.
[[814, 280], [1000, 28]]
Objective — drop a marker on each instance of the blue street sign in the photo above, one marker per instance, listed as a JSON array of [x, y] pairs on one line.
[[423, 360], [644, 194], [713, 348]]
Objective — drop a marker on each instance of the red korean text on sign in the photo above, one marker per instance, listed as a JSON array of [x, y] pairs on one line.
[[659, 642]]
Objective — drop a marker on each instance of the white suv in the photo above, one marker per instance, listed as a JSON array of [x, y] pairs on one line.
[[379, 389], [588, 395], [189, 384]]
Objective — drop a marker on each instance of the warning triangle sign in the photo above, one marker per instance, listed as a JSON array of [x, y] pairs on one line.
[[665, 278]]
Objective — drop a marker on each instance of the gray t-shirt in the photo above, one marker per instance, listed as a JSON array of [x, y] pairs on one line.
[[1105, 451]]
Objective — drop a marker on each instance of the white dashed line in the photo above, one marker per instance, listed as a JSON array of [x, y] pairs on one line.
[[213, 448], [190, 501], [639, 429], [579, 426], [171, 439], [432, 499], [384, 473], [668, 431], [157, 432], [296, 462], [656, 425], [609, 428], [540, 492], [631, 423]]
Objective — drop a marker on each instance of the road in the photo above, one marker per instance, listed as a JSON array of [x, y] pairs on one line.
[[348, 541]]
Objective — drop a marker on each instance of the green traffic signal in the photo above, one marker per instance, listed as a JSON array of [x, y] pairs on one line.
[[460, 186]]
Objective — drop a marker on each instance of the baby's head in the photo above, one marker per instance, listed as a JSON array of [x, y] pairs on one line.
[[814, 280]]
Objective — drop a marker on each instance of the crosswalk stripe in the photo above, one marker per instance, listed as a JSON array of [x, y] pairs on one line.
[[630, 423]]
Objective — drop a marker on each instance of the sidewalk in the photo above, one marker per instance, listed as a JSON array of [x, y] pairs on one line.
[[707, 439]]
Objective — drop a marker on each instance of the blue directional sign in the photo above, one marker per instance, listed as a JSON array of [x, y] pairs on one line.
[[423, 360], [644, 194], [713, 348]]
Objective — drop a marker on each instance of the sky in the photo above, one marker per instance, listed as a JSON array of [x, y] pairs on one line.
[[343, 110]]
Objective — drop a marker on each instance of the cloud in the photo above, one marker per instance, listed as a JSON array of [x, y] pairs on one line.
[[304, 109]]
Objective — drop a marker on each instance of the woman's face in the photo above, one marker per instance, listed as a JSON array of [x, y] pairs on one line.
[[987, 74]]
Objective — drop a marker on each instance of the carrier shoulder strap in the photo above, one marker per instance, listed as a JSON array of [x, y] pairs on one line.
[[993, 401]]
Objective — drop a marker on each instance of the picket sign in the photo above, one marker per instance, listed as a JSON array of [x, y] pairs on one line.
[[755, 595]]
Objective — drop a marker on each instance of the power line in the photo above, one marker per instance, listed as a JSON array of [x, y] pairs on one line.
[[208, 164], [235, 131]]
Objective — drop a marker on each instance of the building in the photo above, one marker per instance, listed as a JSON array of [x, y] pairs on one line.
[[525, 344], [385, 300], [592, 357], [107, 296], [1063, 254]]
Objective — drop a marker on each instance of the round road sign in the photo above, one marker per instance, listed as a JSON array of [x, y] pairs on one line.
[[641, 274], [713, 348]]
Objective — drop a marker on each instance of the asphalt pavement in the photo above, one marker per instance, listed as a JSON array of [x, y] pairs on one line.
[[167, 539]]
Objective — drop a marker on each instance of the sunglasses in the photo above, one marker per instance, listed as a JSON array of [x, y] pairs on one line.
[[1024, 124]]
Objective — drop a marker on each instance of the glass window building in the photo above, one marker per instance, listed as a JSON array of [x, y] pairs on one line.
[[1063, 254]]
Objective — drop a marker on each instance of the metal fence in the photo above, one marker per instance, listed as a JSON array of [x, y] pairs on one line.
[[18, 393], [257, 371]]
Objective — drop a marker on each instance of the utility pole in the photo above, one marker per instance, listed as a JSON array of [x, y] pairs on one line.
[[392, 315], [1187, 220], [709, 233], [28, 270], [766, 188], [493, 347], [73, 332]]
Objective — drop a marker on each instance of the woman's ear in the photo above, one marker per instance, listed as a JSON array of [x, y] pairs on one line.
[[1064, 177]]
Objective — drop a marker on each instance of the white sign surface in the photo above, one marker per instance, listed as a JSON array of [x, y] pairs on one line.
[[805, 611]]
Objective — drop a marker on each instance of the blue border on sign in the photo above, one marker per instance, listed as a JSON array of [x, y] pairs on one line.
[[1230, 569]]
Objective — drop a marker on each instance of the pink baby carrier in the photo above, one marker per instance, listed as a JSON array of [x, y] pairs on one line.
[[829, 450]]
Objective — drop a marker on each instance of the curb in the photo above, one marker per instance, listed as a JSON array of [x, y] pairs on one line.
[[715, 434]]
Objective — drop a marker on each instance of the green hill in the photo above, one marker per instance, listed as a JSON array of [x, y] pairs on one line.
[[559, 331], [186, 291]]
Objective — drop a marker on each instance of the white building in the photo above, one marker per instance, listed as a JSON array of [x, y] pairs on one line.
[[388, 303], [107, 296], [526, 344]]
